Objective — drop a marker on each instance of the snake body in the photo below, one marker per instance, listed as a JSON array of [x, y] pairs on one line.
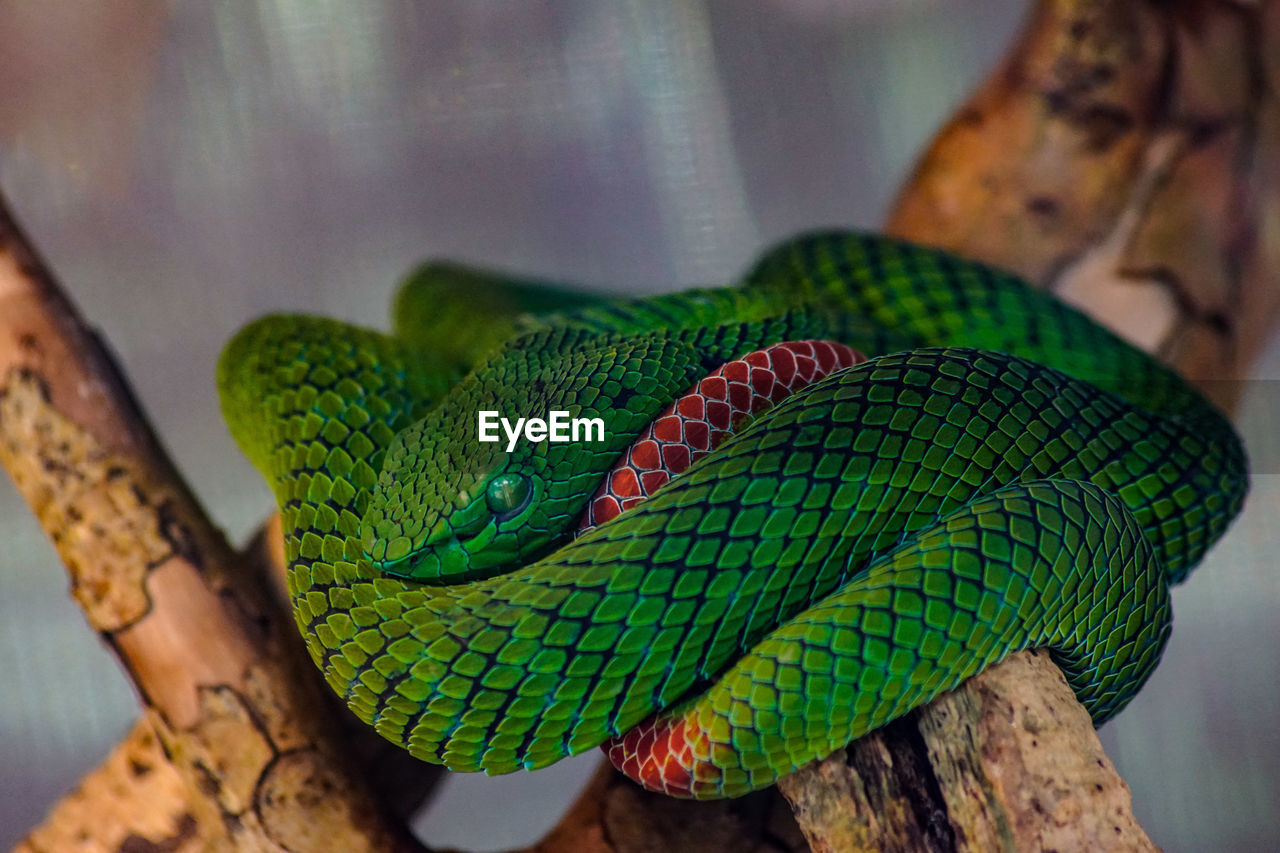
[[1003, 474]]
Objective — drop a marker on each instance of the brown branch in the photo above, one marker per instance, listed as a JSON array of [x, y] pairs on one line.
[[134, 800], [218, 669], [1127, 156], [1008, 762], [136, 793], [614, 815], [1124, 156]]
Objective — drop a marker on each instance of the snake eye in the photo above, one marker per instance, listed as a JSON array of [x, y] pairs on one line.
[[507, 494]]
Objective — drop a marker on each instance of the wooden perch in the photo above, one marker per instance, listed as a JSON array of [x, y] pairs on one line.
[[217, 665], [1126, 155]]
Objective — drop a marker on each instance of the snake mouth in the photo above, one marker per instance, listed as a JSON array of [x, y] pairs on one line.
[[444, 560], [443, 554], [455, 557], [416, 566]]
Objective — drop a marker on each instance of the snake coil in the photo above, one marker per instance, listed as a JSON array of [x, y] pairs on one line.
[[1003, 474]]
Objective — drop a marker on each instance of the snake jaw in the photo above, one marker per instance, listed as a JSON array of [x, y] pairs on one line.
[[446, 560], [465, 546]]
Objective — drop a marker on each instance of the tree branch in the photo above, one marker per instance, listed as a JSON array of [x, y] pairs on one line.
[[218, 668]]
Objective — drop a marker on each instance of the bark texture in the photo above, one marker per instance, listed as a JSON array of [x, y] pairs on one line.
[[1010, 761], [219, 671], [1126, 157]]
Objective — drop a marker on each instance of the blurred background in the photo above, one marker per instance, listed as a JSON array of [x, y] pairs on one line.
[[185, 167]]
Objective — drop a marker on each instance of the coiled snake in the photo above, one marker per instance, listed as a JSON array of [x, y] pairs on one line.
[[1003, 474]]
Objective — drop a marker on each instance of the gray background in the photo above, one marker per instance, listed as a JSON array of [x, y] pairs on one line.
[[187, 167]]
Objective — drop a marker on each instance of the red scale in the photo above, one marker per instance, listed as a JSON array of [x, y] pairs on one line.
[[656, 754], [707, 413], [699, 437]]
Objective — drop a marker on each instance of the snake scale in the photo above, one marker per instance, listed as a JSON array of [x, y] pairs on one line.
[[1003, 473]]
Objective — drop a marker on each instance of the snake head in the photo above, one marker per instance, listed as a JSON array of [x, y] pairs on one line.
[[441, 514], [448, 507]]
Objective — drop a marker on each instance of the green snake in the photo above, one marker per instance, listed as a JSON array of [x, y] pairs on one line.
[[1003, 474]]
